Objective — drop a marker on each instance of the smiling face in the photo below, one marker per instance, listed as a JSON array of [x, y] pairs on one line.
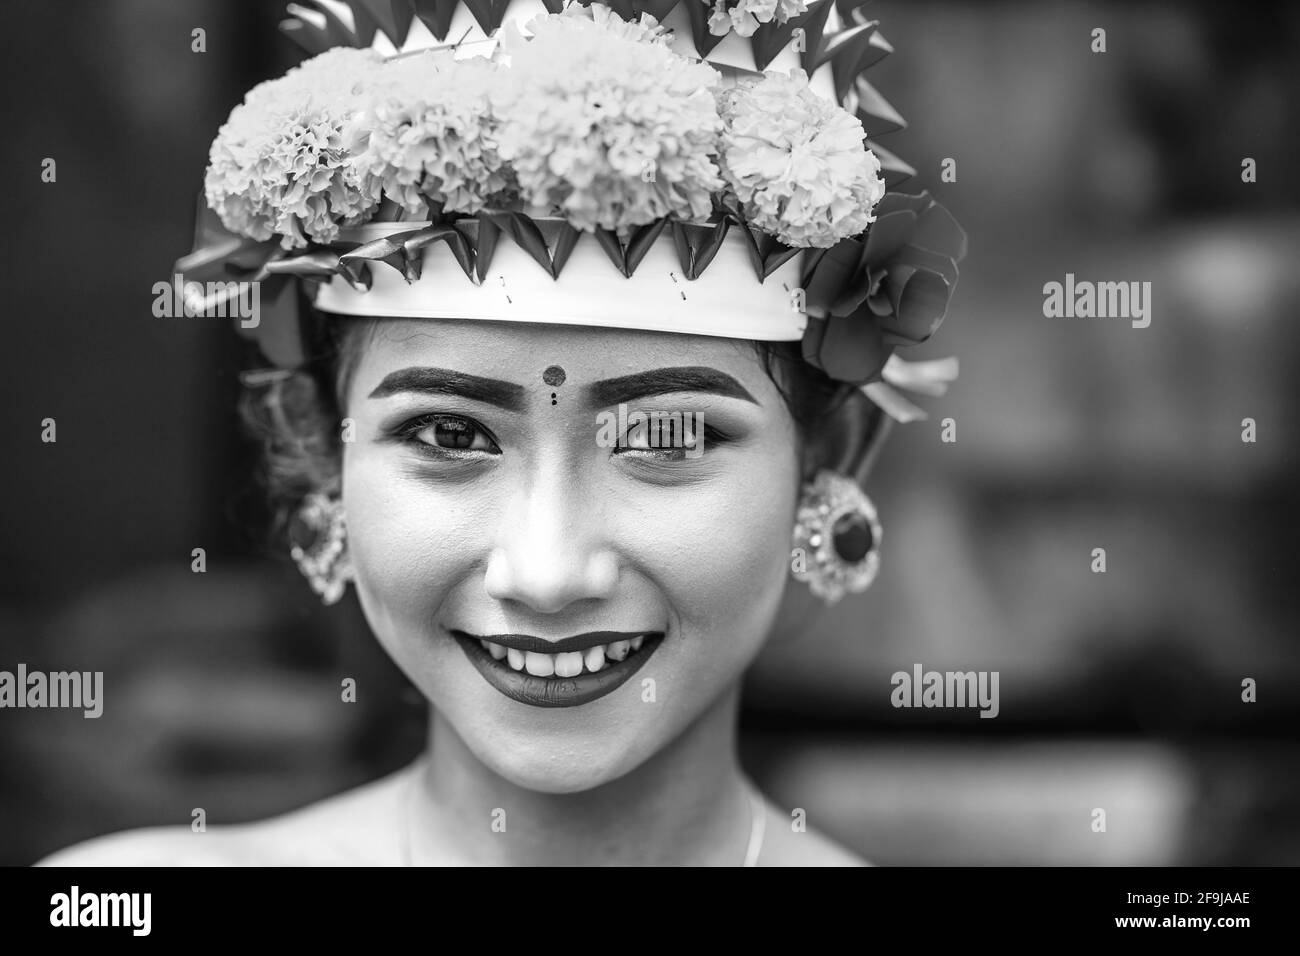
[[483, 502]]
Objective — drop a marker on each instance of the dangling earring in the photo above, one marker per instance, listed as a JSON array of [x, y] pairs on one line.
[[319, 546], [836, 537]]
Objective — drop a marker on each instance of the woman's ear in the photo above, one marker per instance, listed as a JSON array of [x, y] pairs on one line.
[[850, 441]]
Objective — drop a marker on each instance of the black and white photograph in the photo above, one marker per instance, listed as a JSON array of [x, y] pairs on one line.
[[652, 433]]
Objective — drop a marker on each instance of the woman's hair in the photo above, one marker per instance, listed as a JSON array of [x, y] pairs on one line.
[[296, 419]]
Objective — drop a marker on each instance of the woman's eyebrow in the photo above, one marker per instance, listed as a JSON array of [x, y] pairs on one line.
[[441, 381], [661, 381]]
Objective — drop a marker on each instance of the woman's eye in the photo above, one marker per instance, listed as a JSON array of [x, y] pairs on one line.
[[672, 438], [452, 434], [669, 438]]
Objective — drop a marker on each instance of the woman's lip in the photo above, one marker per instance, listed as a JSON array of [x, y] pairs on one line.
[[555, 691], [579, 642]]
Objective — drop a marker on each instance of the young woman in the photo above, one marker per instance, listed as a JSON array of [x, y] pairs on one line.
[[569, 505]]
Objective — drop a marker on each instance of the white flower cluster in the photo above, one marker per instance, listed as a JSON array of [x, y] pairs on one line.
[[591, 118], [280, 165], [797, 162], [746, 16]]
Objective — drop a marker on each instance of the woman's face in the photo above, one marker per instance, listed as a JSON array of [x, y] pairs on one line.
[[486, 499]]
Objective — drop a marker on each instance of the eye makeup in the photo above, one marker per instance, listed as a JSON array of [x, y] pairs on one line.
[[675, 446], [446, 436], [676, 431]]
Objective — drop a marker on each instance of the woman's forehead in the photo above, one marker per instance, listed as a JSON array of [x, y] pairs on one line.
[[525, 352]]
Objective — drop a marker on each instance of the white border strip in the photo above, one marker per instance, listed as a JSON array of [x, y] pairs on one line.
[[726, 301]]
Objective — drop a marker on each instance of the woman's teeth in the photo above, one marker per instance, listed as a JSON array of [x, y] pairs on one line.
[[568, 664]]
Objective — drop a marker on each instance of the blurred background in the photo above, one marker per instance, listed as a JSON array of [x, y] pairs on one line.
[[1119, 690]]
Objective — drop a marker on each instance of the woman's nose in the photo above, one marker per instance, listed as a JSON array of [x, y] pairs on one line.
[[550, 549]]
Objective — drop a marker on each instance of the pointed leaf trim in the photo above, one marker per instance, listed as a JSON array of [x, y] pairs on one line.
[[640, 242], [488, 13], [766, 253], [656, 8], [704, 40], [322, 263], [771, 38], [844, 55], [836, 43], [436, 15], [608, 240], [565, 240], [849, 10], [387, 249], [697, 244], [523, 231], [304, 36], [877, 115], [481, 234], [413, 248], [814, 25], [363, 24], [392, 17], [626, 255], [336, 31], [894, 170], [624, 8]]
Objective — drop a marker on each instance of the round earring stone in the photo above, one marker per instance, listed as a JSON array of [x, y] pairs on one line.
[[852, 537], [302, 534]]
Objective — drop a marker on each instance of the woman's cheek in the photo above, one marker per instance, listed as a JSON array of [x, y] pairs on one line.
[[721, 550], [399, 530]]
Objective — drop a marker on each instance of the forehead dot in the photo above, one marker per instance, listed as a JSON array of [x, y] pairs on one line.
[[553, 376]]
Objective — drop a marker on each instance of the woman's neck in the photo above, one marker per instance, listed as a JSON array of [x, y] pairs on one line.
[[686, 805]]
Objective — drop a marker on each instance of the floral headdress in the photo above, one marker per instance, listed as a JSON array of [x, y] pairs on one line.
[[385, 171]]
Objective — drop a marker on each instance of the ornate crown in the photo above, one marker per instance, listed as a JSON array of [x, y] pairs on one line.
[[617, 164]]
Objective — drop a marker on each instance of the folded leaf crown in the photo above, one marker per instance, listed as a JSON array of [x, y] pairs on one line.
[[865, 296]]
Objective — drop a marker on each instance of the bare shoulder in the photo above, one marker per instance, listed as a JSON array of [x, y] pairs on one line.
[[783, 845], [353, 828], [149, 846]]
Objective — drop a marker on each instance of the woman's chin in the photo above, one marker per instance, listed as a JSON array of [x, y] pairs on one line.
[[558, 769], [532, 771]]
